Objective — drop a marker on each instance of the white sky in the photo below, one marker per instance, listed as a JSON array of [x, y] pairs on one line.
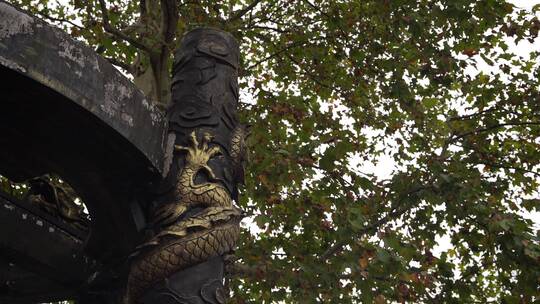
[[528, 4]]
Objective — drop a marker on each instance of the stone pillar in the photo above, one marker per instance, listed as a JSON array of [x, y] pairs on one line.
[[195, 222]]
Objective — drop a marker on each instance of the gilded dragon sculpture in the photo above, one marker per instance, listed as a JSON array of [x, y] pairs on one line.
[[198, 222], [183, 243]]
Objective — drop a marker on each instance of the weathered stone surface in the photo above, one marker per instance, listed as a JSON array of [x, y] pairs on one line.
[[51, 57], [65, 110]]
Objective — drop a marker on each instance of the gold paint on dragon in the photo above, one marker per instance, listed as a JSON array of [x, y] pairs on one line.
[[186, 242]]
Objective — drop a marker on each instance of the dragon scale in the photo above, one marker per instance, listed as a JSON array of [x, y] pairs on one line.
[[183, 243]]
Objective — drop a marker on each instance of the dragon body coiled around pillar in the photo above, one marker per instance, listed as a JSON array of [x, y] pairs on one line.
[[184, 241]]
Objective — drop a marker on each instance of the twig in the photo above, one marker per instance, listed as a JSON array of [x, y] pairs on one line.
[[301, 66], [330, 19], [59, 20], [503, 166], [292, 45], [269, 28], [394, 213], [256, 271], [118, 63], [239, 14], [473, 115], [108, 28], [460, 136]]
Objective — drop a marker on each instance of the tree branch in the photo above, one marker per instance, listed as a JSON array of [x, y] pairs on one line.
[[256, 271], [108, 28], [59, 20], [489, 128], [330, 19], [142, 8], [508, 167], [301, 66], [393, 214], [239, 14], [291, 46], [489, 110], [121, 64], [269, 28], [169, 20]]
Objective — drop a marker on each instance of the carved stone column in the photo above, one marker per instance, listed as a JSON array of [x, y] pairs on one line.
[[195, 221]]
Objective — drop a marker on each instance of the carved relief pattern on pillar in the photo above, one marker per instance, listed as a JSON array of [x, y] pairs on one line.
[[197, 222]]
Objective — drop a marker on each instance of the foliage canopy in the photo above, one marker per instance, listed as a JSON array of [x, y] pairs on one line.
[[332, 85]]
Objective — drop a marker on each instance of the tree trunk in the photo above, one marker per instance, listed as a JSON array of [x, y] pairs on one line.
[[160, 20]]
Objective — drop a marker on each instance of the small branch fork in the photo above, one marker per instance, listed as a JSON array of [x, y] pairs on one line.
[[489, 128], [393, 214], [239, 14], [113, 31], [118, 63], [59, 20]]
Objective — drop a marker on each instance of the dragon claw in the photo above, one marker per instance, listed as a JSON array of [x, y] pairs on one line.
[[193, 139], [214, 151], [179, 148], [207, 137]]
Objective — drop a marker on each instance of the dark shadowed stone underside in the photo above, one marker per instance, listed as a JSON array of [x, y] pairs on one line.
[[66, 110]]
